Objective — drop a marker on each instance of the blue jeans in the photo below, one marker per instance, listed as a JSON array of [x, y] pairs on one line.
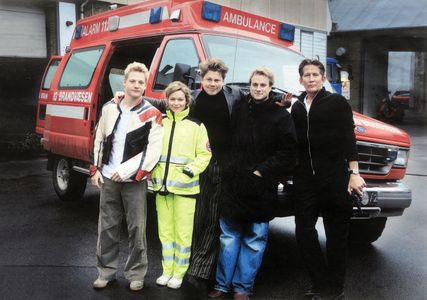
[[242, 249]]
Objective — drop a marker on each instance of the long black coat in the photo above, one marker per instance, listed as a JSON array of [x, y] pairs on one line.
[[263, 139]]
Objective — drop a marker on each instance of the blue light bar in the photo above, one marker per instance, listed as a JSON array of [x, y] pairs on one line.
[[155, 15], [211, 12], [287, 32], [78, 32]]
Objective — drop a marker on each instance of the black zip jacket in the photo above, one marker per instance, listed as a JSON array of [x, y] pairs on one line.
[[326, 139], [263, 139]]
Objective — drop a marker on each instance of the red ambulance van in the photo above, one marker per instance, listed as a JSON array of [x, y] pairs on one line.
[[171, 38]]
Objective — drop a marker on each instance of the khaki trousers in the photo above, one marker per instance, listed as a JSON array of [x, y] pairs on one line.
[[120, 200]]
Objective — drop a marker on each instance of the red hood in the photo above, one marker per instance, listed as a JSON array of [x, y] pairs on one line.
[[372, 130]]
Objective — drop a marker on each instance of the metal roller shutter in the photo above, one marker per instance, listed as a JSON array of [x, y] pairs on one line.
[[22, 32]]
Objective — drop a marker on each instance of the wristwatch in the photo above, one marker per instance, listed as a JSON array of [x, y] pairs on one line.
[[354, 171]]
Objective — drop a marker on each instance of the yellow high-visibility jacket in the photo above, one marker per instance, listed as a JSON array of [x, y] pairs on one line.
[[185, 154]]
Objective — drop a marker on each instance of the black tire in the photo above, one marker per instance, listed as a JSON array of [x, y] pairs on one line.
[[69, 185], [366, 231]]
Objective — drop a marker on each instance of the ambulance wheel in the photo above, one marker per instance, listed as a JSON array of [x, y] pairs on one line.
[[69, 185], [366, 231]]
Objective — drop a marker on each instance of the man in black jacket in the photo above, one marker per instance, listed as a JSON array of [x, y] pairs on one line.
[[213, 105], [263, 151], [326, 175]]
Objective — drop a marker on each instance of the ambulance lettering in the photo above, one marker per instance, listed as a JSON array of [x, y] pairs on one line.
[[80, 97], [247, 22], [43, 96], [94, 28]]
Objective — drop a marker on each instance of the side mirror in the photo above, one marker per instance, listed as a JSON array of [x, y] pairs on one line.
[[181, 73]]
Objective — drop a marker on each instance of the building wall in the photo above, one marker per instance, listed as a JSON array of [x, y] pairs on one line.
[[308, 13], [351, 62], [367, 55], [420, 79], [21, 70], [51, 30]]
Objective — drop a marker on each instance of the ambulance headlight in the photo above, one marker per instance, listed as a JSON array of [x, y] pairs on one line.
[[401, 158], [287, 32], [211, 11], [155, 15]]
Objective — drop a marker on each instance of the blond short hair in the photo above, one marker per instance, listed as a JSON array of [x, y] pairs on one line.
[[264, 72], [179, 86], [136, 67]]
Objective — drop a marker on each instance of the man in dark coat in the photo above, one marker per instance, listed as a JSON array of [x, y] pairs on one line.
[[213, 105], [263, 151], [325, 177]]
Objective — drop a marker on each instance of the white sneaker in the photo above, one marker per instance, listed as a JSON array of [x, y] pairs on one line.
[[100, 283], [174, 283], [163, 280], [136, 285]]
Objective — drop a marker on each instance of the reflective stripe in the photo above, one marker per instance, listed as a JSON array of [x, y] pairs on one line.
[[175, 160], [65, 111], [182, 261], [176, 183], [181, 249], [168, 246], [168, 258]]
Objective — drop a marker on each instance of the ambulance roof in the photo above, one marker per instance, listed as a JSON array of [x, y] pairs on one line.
[[161, 17]]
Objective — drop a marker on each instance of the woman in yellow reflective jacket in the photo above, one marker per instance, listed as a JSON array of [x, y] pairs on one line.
[[185, 154]]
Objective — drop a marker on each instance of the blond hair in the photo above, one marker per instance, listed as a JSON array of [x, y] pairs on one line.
[[179, 86], [136, 67], [264, 72]]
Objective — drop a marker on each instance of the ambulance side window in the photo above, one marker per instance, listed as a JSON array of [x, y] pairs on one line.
[[176, 51], [80, 68], [49, 74]]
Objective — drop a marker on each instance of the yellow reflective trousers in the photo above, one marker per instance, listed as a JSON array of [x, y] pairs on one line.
[[175, 216]]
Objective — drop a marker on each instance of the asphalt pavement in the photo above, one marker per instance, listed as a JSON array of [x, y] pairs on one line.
[[47, 248]]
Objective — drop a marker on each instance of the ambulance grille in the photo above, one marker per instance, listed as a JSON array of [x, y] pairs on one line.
[[375, 158]]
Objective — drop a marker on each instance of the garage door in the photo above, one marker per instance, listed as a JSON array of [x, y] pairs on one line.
[[22, 32]]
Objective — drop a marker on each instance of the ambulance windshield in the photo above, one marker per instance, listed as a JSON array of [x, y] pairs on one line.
[[243, 56]]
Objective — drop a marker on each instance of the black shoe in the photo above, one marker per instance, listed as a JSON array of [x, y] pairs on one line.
[[196, 282]]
